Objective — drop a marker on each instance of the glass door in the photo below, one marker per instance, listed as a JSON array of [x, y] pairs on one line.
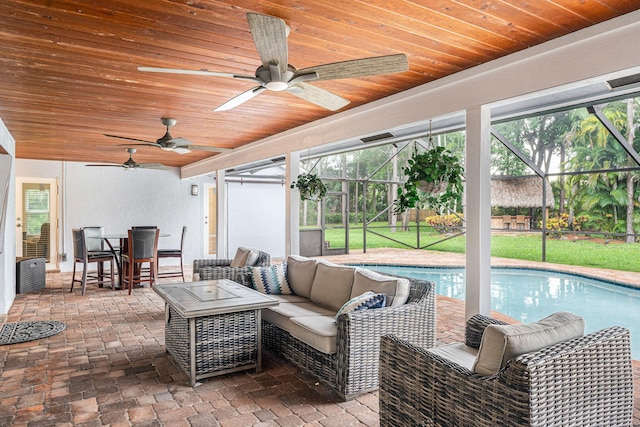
[[210, 220], [36, 220]]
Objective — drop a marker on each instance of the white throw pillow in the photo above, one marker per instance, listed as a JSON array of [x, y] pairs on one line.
[[501, 343]]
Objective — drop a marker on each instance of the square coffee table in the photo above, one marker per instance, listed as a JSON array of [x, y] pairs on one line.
[[213, 327]]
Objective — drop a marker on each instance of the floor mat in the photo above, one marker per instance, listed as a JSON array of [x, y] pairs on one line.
[[14, 333]]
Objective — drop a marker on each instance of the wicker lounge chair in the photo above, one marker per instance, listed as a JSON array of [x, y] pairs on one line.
[[208, 269], [585, 381]]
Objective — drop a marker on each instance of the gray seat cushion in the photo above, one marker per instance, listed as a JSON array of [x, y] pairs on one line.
[[281, 314], [319, 332]]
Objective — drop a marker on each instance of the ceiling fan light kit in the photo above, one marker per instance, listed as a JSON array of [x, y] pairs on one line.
[[276, 74]]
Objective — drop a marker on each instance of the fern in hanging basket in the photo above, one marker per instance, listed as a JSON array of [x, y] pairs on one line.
[[434, 177], [310, 186]]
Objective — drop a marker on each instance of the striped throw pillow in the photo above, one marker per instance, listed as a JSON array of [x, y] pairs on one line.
[[366, 301], [271, 280]]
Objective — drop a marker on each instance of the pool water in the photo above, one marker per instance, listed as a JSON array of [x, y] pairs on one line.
[[530, 295]]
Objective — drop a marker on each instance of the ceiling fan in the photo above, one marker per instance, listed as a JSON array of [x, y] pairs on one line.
[[275, 73], [132, 164], [169, 143]]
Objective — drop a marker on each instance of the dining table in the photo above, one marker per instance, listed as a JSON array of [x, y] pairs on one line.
[[123, 241]]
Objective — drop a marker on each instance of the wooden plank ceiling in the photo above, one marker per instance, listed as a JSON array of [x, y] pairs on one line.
[[69, 73]]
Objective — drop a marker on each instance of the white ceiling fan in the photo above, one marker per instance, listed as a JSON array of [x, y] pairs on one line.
[[132, 164], [275, 74], [169, 143]]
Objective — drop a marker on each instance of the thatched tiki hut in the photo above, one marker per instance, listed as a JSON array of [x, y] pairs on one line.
[[518, 193]]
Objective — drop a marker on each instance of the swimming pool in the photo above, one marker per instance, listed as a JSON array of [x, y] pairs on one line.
[[529, 295]]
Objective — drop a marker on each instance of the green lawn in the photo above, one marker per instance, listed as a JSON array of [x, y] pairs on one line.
[[617, 256]]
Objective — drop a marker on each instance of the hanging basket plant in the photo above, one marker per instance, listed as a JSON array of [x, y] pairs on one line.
[[310, 186], [434, 179]]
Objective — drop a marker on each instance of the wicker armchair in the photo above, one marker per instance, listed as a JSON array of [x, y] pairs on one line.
[[353, 369], [209, 269], [586, 381]]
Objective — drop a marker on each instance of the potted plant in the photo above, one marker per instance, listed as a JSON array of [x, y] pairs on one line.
[[436, 175], [310, 186]]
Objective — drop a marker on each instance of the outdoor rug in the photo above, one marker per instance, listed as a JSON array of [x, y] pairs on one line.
[[14, 333]]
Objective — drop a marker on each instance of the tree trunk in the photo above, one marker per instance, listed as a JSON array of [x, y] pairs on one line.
[[393, 189], [630, 175], [630, 191], [562, 181]]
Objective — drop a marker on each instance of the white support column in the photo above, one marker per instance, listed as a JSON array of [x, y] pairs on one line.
[[221, 216], [292, 216], [478, 211]]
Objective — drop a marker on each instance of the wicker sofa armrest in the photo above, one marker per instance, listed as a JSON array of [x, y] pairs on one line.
[[201, 263], [210, 269], [475, 328], [358, 340]]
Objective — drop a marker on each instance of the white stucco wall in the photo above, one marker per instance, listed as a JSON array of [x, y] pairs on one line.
[[8, 255], [256, 217], [118, 199]]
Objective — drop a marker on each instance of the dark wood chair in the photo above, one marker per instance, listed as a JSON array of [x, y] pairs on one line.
[[142, 247], [87, 248], [173, 253]]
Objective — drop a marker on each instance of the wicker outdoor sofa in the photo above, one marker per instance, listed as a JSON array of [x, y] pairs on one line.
[[584, 381], [343, 352]]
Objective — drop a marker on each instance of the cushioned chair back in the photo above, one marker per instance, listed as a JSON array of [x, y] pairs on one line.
[[79, 248], [144, 242], [93, 236]]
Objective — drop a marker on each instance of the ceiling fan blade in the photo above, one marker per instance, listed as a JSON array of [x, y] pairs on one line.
[[318, 96], [145, 142], [151, 166], [181, 141], [360, 67], [108, 164], [243, 97], [270, 37], [198, 73], [207, 148]]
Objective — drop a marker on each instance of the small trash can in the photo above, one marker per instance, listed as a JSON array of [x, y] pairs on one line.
[[30, 274]]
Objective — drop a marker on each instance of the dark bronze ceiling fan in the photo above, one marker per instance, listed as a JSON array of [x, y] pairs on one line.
[[276, 74], [169, 143], [130, 163]]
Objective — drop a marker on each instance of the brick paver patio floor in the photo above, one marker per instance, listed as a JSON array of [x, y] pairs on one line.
[[109, 366]]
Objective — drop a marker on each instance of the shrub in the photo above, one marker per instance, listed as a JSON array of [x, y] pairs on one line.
[[445, 223], [557, 223]]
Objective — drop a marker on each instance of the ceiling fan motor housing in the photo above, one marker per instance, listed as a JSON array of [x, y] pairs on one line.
[[273, 79]]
